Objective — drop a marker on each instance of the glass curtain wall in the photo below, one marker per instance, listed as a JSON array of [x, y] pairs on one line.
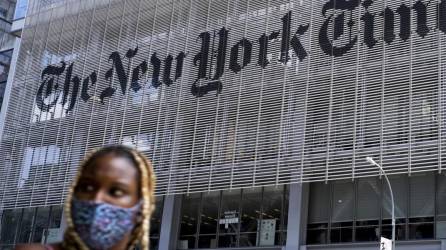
[[30, 225], [43, 225], [234, 218], [155, 223], [360, 210]]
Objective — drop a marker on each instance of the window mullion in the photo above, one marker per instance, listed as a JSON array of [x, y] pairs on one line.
[[200, 210]]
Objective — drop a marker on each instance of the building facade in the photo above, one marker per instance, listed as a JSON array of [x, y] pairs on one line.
[[7, 41], [257, 115]]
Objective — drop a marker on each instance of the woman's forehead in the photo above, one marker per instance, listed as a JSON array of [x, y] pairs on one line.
[[111, 166]]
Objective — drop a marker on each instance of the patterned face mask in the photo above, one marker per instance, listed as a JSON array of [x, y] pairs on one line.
[[101, 225]]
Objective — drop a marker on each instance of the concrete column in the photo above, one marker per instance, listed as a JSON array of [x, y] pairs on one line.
[[297, 216], [443, 244], [170, 222]]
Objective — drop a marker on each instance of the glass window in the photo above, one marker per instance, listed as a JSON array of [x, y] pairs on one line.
[[370, 201], [189, 218], [21, 7], [422, 198], [155, 223], [422, 203], [251, 211], [6, 9], [368, 209], [209, 220], [24, 235], [236, 218], [399, 186], [319, 205], [51, 234], [40, 224], [271, 216], [342, 212], [10, 222], [56, 217], [229, 218], [441, 206]]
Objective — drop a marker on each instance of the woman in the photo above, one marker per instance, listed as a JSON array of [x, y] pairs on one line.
[[110, 203]]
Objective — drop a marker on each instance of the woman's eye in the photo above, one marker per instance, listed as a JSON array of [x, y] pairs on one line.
[[116, 192], [87, 188]]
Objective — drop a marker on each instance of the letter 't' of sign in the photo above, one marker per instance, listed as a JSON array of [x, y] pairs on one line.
[[325, 42], [49, 86]]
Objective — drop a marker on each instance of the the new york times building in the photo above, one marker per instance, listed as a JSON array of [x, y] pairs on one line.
[[257, 114]]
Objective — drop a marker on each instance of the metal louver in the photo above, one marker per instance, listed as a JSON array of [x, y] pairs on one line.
[[225, 94]]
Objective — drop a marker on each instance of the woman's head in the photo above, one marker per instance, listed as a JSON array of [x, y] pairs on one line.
[[117, 180]]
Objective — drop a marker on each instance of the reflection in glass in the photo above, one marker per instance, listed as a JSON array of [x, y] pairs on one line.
[[248, 239], [400, 229], [317, 233], [155, 222], [56, 216], [227, 240], [189, 217], [21, 7], [40, 223], [272, 204], [251, 209], [207, 241], [10, 220], [233, 218], [367, 210], [25, 229], [271, 216], [399, 186], [209, 220], [421, 228]]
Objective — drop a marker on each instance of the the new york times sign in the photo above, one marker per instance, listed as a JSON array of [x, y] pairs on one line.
[[214, 51]]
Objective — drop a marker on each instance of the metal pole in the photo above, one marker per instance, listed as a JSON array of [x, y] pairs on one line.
[[370, 160]]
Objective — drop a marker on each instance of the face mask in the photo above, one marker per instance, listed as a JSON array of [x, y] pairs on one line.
[[101, 225]]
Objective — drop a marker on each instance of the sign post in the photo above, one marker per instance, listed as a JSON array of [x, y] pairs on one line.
[[385, 244]]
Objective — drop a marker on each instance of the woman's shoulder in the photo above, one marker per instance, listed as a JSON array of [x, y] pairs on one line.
[[38, 247]]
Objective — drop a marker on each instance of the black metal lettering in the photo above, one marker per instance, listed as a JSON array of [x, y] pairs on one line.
[[441, 22], [263, 49], [167, 69], [156, 63], [369, 28], [246, 46], [297, 46], [86, 85], [49, 86], [325, 42], [180, 62], [137, 73], [404, 13], [421, 9], [221, 53], [286, 29], [76, 83], [389, 25]]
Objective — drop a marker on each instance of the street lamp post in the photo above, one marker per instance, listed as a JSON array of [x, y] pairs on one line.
[[371, 161]]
